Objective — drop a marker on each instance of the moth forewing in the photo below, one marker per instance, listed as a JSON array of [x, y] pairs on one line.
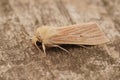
[[80, 34], [85, 34]]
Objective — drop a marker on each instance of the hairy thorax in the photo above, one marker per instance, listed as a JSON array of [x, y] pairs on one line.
[[44, 33]]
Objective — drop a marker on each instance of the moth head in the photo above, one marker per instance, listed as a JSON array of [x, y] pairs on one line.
[[36, 41]]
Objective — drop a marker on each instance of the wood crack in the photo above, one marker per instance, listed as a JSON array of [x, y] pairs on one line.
[[64, 11]]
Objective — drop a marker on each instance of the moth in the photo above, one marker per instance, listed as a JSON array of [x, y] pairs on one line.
[[78, 34]]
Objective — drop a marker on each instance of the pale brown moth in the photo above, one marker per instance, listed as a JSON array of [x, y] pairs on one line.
[[81, 34]]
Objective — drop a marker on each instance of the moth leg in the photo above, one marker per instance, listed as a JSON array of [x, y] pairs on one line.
[[83, 46], [61, 48], [37, 47], [44, 49]]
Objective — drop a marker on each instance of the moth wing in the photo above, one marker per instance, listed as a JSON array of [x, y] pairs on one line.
[[86, 34]]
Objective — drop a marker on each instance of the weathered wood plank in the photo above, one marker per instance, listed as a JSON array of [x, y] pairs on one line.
[[86, 11], [20, 60], [113, 10]]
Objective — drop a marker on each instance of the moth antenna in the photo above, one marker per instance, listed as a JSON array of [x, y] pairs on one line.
[[44, 49], [61, 48]]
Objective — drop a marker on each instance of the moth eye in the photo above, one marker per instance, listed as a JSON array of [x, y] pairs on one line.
[[38, 43]]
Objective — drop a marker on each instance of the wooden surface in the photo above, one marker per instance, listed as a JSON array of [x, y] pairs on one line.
[[20, 60]]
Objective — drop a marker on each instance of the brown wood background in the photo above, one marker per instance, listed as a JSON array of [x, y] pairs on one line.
[[20, 60]]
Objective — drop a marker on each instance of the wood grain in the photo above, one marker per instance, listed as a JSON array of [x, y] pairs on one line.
[[20, 60]]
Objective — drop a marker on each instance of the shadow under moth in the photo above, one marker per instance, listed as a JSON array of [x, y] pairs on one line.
[[78, 34]]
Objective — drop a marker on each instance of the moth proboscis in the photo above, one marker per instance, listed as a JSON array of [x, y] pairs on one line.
[[79, 34]]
